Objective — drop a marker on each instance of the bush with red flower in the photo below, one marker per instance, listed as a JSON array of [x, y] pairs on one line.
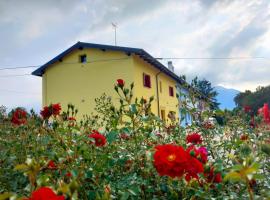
[[194, 138], [51, 110], [45, 193], [100, 140], [143, 158], [19, 117]]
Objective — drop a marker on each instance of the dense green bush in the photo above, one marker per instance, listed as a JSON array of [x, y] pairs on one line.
[[110, 155]]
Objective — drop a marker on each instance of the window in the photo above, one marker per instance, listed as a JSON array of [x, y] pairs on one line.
[[82, 59], [160, 87], [171, 93], [146, 80]]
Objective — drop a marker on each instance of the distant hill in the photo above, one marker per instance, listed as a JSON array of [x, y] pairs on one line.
[[225, 97]]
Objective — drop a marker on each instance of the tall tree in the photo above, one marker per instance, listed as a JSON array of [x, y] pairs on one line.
[[205, 87]]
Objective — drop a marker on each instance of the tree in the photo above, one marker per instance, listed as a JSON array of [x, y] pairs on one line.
[[205, 88], [254, 99]]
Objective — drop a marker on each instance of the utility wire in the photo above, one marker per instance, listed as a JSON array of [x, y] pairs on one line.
[[210, 58], [158, 58], [7, 68], [18, 92], [14, 75]]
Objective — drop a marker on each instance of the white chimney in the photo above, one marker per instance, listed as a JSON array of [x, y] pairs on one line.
[[170, 66]]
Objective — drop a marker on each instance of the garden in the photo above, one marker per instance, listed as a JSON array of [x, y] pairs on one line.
[[123, 151]]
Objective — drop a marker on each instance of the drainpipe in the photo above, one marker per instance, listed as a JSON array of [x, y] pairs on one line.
[[158, 93]]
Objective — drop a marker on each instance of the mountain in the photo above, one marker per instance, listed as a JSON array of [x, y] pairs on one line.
[[225, 97]]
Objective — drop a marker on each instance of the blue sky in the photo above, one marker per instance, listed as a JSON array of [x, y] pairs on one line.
[[33, 32]]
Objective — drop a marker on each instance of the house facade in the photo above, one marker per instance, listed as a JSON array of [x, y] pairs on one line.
[[85, 71]]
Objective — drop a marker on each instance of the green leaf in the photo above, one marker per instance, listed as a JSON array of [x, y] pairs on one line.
[[125, 196], [133, 108], [233, 176], [111, 136], [21, 167], [5, 196]]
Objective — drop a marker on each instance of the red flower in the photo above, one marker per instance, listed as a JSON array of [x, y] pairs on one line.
[[56, 108], [193, 169], [194, 138], [71, 119], [200, 153], [45, 193], [45, 113], [19, 117], [247, 109], [48, 111], [51, 165], [124, 136], [100, 140], [170, 160], [68, 174], [213, 177], [120, 82]]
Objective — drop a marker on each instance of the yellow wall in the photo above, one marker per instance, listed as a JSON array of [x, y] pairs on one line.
[[166, 102], [72, 82]]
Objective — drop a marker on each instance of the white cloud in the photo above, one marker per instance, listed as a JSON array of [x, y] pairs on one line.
[[33, 32]]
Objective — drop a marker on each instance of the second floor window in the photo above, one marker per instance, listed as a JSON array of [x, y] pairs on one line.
[[146, 80], [82, 59], [171, 93]]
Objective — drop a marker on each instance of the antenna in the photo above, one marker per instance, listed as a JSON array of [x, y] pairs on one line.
[[115, 27]]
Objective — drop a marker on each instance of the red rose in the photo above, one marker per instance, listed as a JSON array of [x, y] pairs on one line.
[[19, 117], [51, 165], [120, 82], [100, 140], [48, 111], [193, 169], [170, 160], [56, 108], [212, 176], [194, 138], [200, 153], [45, 193], [45, 113]]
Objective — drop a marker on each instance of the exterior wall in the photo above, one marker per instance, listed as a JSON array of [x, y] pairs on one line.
[[166, 102], [80, 83]]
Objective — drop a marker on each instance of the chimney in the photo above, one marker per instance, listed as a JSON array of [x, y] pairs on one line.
[[170, 66]]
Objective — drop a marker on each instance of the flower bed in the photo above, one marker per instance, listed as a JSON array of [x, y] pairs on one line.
[[126, 152]]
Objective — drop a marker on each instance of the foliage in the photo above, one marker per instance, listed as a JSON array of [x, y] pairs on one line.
[[205, 87], [60, 153], [254, 99]]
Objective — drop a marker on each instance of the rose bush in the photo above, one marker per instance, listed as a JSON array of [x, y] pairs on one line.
[[125, 152]]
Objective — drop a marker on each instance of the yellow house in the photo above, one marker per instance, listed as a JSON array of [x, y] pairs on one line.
[[85, 71]]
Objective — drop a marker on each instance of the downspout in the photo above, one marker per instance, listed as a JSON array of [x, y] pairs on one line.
[[158, 93]]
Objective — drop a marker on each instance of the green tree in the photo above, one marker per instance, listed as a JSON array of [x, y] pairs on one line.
[[254, 99], [205, 87]]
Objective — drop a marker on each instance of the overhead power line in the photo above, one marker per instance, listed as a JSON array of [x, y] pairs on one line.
[[210, 58], [158, 58], [13, 75], [19, 92], [24, 67]]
